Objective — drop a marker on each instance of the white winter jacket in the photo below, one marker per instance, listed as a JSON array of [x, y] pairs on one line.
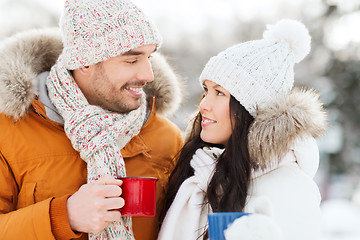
[[282, 143], [283, 197], [287, 194]]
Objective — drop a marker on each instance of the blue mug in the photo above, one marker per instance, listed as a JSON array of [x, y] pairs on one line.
[[220, 221]]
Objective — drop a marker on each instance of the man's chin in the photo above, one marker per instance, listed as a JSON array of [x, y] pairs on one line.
[[127, 109]]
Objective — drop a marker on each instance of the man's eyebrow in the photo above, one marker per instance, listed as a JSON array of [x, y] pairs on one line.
[[135, 53], [132, 52]]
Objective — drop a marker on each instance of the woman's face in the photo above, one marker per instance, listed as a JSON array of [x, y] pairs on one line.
[[214, 108]]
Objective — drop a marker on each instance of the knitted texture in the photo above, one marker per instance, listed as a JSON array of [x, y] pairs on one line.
[[95, 133], [96, 30], [257, 73]]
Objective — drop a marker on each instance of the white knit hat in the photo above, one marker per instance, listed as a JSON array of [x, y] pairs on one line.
[[96, 30], [259, 72]]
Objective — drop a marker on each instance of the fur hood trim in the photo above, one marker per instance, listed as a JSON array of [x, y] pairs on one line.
[[167, 87], [22, 58], [25, 55], [275, 129]]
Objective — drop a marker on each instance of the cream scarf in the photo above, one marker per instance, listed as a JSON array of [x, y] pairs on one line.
[[187, 215], [97, 134]]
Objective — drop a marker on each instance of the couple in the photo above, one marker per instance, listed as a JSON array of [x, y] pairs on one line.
[[73, 114]]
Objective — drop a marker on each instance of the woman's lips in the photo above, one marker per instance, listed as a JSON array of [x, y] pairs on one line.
[[207, 121]]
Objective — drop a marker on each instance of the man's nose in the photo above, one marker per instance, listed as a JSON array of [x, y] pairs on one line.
[[146, 73]]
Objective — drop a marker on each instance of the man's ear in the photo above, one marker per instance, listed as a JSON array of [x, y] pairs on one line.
[[83, 73], [85, 69]]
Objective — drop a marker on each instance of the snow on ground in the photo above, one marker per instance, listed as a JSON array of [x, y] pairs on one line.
[[340, 220]]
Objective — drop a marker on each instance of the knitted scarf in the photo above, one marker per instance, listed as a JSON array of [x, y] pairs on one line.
[[97, 134], [187, 215]]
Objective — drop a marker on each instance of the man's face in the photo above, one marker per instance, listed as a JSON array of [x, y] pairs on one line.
[[117, 83]]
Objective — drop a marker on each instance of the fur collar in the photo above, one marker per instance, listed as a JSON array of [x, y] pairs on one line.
[[25, 55], [275, 129]]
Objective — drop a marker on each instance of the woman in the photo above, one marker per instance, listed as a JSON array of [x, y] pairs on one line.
[[251, 147]]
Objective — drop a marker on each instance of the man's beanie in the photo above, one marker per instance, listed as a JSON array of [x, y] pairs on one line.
[[259, 72], [96, 30]]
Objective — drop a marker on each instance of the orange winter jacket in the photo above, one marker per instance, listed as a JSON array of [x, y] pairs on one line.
[[39, 169]]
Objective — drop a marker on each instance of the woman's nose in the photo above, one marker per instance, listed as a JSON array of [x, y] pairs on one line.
[[204, 104]]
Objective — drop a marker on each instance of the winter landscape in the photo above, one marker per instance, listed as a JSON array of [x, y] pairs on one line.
[[194, 31]]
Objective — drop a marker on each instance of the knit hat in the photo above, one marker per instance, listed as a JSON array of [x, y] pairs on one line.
[[259, 72], [96, 30]]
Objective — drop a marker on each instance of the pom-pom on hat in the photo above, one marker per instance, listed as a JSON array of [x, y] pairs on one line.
[[96, 30], [259, 72]]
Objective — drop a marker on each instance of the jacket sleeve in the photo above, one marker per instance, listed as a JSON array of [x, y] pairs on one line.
[[254, 227], [31, 222], [59, 219], [292, 199]]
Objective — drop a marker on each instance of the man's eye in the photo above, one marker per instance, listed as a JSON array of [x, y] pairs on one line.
[[132, 61]]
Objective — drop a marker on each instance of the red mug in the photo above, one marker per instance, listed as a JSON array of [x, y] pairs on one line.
[[139, 194]]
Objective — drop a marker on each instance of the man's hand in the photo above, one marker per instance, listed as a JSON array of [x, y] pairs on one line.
[[95, 205]]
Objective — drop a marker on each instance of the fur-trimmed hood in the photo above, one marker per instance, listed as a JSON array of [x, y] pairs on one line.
[[277, 128], [25, 55]]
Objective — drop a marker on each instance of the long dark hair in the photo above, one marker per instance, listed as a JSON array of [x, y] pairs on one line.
[[228, 188]]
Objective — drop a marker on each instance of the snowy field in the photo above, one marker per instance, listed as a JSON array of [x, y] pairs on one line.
[[340, 220]]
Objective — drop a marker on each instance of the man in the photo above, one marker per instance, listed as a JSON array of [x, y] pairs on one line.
[[64, 123]]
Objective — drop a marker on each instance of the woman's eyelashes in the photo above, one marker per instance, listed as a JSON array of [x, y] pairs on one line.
[[214, 91], [205, 90], [219, 93]]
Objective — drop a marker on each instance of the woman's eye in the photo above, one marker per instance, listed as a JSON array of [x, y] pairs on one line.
[[205, 90], [219, 93]]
